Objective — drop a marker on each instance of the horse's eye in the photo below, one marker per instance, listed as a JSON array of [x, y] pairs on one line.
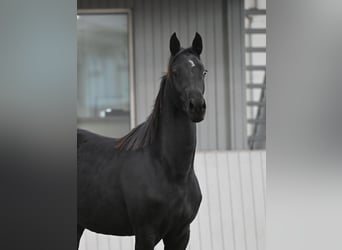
[[205, 73]]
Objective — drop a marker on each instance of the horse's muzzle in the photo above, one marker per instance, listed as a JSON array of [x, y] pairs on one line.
[[196, 109]]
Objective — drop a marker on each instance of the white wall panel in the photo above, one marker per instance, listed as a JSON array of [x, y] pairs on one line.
[[232, 213]]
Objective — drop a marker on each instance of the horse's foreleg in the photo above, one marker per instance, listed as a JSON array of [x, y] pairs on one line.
[[177, 240], [144, 239], [80, 230]]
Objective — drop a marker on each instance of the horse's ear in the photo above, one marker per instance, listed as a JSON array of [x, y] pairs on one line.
[[197, 45], [174, 44]]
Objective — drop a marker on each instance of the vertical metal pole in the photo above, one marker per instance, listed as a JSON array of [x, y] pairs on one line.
[[236, 74]]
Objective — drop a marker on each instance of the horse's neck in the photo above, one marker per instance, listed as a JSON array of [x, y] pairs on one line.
[[178, 141]]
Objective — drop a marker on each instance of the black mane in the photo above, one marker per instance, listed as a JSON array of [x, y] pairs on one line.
[[144, 134]]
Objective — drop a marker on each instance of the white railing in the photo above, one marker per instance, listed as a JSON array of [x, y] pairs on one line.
[[232, 213]]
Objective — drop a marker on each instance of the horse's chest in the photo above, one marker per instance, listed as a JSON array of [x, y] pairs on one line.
[[181, 207]]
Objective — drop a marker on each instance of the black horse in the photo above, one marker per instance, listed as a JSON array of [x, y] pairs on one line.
[[144, 184]]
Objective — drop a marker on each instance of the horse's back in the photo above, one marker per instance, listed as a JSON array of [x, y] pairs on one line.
[[91, 147], [85, 136]]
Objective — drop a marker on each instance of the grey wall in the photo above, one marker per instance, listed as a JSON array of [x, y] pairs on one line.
[[153, 23]]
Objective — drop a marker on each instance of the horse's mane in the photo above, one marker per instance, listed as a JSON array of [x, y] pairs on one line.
[[145, 133]]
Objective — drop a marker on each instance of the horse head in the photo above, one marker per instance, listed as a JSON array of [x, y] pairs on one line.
[[186, 73]]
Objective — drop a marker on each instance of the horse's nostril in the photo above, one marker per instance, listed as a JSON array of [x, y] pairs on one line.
[[204, 106]]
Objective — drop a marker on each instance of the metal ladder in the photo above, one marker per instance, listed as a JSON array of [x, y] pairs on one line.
[[256, 139]]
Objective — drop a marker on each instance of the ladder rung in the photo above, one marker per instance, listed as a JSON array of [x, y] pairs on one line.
[[255, 49], [256, 67], [256, 86], [255, 31], [256, 121], [255, 12], [252, 103]]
